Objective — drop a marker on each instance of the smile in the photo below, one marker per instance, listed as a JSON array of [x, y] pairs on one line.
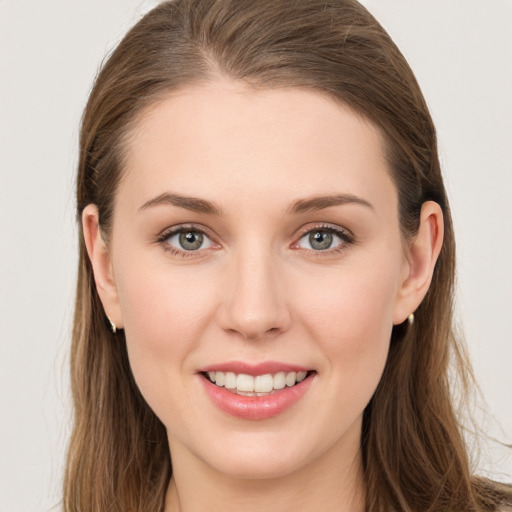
[[256, 392], [259, 385]]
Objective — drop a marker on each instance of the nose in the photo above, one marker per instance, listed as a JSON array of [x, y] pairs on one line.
[[254, 303]]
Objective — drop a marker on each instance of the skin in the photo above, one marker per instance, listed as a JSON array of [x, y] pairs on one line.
[[259, 290]]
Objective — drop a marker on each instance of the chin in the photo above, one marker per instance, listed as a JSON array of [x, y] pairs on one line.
[[263, 456], [258, 466]]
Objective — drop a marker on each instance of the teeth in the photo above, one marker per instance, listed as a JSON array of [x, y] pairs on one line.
[[279, 380], [301, 376], [245, 383], [290, 379], [261, 385], [230, 380], [219, 378]]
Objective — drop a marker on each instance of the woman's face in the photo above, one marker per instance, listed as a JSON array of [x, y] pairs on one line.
[[256, 233]]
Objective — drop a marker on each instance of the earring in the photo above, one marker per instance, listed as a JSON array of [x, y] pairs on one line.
[[112, 325], [410, 318]]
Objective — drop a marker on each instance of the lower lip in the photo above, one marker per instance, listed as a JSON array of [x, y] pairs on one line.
[[256, 407]]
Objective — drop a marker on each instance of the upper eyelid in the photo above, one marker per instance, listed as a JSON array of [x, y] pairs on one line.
[[326, 226], [193, 227], [166, 233]]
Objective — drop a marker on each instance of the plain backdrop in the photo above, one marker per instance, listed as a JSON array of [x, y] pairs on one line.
[[461, 52]]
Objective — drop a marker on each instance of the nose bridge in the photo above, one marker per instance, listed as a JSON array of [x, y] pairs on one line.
[[255, 303]]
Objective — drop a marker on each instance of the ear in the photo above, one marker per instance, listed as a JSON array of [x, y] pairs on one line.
[[100, 258], [422, 254]]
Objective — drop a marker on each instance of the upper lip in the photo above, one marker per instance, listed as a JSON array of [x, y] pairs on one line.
[[254, 369]]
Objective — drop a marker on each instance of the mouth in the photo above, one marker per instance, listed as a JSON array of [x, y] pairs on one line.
[[256, 391], [267, 384]]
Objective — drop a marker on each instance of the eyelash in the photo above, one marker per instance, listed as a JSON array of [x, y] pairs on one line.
[[174, 231], [346, 237]]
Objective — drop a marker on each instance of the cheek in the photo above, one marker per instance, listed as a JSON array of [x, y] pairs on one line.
[[351, 318], [162, 305], [355, 305], [165, 313]]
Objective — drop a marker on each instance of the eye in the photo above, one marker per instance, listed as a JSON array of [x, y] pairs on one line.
[[323, 239], [187, 239]]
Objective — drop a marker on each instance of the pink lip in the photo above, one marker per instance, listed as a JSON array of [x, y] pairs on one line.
[[256, 407], [254, 369]]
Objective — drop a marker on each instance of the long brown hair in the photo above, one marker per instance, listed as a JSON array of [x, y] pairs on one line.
[[414, 454]]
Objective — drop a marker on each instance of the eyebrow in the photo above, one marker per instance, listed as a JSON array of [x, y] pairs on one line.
[[193, 204], [305, 205], [313, 204]]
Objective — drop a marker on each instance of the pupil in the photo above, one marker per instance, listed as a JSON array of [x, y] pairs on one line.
[[320, 240], [191, 240]]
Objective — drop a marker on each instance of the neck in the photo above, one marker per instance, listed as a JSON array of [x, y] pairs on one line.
[[333, 482]]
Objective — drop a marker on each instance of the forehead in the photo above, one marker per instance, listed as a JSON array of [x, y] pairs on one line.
[[230, 139]]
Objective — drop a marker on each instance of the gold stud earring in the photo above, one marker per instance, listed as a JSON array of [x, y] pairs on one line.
[[410, 318], [112, 325]]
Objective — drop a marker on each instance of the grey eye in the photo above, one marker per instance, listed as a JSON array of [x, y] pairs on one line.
[[189, 240], [320, 240]]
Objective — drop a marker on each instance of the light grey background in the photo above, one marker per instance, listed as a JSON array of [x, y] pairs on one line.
[[461, 52]]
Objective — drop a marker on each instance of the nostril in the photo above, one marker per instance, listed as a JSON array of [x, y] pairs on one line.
[[254, 334]]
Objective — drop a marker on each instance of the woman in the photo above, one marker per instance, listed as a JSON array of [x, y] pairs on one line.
[[266, 272]]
